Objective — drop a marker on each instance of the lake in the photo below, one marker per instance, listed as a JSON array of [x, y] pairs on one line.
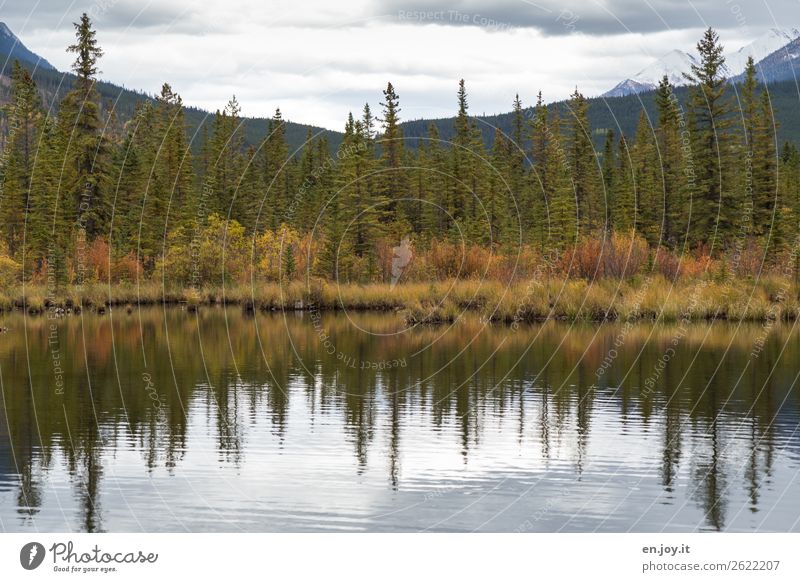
[[166, 420]]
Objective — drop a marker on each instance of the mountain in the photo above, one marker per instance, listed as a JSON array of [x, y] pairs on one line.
[[618, 112], [53, 85], [11, 48], [676, 62], [621, 114], [775, 40], [782, 65], [673, 65]]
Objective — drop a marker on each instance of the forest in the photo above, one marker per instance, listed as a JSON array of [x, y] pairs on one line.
[[701, 190]]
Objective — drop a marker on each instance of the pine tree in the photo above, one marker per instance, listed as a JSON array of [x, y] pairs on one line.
[[517, 194], [277, 177], [175, 155], [766, 201], [289, 264], [535, 215], [624, 214], [560, 196], [459, 195], [672, 181], [225, 158], [162, 151], [432, 185], [609, 168], [88, 146], [130, 181], [394, 183], [495, 212], [715, 205], [24, 118], [583, 163], [649, 203]]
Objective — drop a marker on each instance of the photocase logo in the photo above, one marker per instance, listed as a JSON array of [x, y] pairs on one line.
[[31, 555], [402, 257]]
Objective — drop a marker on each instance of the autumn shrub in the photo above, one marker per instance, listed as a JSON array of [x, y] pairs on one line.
[[666, 263], [269, 253], [624, 255], [748, 260], [697, 265], [445, 259], [617, 255], [97, 261], [126, 269]]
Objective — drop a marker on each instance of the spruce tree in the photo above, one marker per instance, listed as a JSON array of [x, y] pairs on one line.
[[277, 178], [672, 179], [583, 163], [394, 185], [535, 214], [715, 204], [766, 201], [24, 119], [88, 151], [625, 217]]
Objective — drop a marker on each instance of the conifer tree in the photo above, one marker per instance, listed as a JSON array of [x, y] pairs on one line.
[[535, 217], [459, 198], [24, 117], [84, 190], [583, 164], [394, 185], [609, 167], [561, 195], [649, 202], [715, 204], [625, 218], [277, 176], [671, 178], [766, 202], [432, 184]]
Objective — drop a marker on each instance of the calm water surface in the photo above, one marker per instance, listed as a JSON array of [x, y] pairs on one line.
[[165, 420]]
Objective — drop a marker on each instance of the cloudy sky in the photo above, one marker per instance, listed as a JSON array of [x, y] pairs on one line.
[[318, 59]]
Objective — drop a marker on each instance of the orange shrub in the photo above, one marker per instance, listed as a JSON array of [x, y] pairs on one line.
[[98, 260], [126, 269], [667, 263], [618, 255]]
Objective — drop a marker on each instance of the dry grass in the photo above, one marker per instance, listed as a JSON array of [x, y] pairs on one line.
[[653, 297]]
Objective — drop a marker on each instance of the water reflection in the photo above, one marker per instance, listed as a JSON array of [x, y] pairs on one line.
[[227, 421]]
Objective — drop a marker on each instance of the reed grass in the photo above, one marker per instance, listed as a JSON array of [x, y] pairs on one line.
[[654, 298]]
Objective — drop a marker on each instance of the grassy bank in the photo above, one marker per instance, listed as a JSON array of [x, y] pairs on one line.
[[570, 299]]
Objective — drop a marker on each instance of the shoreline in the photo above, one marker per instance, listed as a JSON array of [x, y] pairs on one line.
[[647, 298]]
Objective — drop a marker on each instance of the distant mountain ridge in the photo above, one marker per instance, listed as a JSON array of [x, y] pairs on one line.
[[53, 84], [619, 112], [676, 63], [12, 48], [781, 65]]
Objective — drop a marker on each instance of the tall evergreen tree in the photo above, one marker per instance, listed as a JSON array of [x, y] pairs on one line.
[[24, 118], [394, 183], [715, 204], [583, 163], [672, 182], [88, 147]]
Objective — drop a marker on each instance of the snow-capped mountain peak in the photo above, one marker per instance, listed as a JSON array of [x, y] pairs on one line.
[[676, 63], [673, 65], [771, 41]]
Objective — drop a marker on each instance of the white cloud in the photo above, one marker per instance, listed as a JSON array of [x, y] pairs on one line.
[[318, 60]]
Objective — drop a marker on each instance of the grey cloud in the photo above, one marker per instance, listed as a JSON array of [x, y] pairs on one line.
[[560, 17], [108, 14]]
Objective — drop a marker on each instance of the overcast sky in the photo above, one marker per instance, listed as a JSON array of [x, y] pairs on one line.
[[319, 59]]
